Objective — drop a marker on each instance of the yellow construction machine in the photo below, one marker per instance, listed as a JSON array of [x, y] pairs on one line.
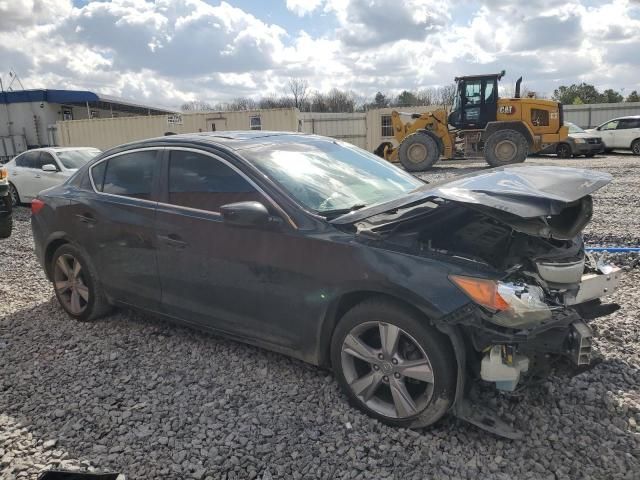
[[502, 130]]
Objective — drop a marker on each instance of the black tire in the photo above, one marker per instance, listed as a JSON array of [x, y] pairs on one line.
[[14, 195], [418, 152], [635, 147], [563, 150], [437, 396], [97, 304], [380, 150], [505, 147], [6, 217]]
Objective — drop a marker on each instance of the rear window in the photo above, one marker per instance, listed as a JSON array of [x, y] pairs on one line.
[[129, 175]]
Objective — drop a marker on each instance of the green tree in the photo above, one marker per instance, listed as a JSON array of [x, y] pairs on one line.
[[611, 96], [406, 99], [380, 100], [633, 97]]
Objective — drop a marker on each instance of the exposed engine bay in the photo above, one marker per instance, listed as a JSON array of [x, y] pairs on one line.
[[543, 281]]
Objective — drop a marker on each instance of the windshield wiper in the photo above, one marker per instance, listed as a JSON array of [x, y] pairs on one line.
[[341, 211]]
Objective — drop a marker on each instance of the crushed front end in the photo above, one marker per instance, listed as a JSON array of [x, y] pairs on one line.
[[532, 321]]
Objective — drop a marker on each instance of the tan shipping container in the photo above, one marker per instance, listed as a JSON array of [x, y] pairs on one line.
[[105, 133]]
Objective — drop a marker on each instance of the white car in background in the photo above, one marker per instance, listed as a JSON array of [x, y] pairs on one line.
[[38, 169], [620, 134]]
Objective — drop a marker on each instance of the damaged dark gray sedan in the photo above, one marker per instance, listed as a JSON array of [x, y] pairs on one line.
[[314, 248]]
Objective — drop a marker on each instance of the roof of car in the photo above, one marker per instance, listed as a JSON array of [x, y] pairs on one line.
[[236, 140], [59, 149]]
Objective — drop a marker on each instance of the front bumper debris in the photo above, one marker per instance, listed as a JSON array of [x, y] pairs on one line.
[[595, 285]]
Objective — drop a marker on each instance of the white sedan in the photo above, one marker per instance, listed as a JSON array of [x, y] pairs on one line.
[[36, 170]]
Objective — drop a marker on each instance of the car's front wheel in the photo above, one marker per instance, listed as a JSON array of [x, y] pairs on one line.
[[563, 150], [76, 284], [393, 365]]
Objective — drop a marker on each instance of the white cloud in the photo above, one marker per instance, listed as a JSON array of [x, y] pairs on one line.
[[171, 50], [303, 7]]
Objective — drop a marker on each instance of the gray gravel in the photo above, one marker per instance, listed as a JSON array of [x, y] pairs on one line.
[[133, 394]]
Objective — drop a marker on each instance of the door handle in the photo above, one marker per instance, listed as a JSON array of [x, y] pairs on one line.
[[173, 240], [86, 218]]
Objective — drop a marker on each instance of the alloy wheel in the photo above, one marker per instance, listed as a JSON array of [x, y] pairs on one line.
[[635, 148], [70, 285], [387, 369], [15, 198]]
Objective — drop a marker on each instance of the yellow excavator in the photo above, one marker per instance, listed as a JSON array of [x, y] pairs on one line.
[[502, 130]]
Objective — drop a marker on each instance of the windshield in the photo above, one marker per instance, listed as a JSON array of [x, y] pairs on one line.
[[74, 159], [574, 128], [330, 176]]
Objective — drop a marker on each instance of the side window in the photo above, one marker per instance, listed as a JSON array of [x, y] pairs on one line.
[[472, 92], [387, 126], [489, 92], [610, 125], [22, 160], [130, 175], [97, 174], [628, 124], [199, 181], [46, 158], [539, 118], [29, 160]]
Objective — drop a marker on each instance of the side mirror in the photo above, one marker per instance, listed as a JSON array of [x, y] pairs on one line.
[[49, 167], [247, 214]]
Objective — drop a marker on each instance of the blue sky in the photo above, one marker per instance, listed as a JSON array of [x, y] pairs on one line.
[[172, 51]]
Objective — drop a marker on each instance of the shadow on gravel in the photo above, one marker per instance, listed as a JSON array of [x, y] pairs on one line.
[[134, 394]]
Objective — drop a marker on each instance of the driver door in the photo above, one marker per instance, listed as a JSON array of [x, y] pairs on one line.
[[211, 273], [608, 134], [43, 180]]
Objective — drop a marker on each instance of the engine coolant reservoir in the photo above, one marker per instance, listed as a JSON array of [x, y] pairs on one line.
[[506, 376]]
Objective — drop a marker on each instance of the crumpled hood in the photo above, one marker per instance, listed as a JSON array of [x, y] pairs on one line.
[[526, 191]]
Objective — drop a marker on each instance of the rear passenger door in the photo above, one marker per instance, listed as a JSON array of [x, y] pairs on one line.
[[114, 223]]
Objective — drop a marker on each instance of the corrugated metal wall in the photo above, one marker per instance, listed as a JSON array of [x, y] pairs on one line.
[[110, 132], [587, 116], [349, 127]]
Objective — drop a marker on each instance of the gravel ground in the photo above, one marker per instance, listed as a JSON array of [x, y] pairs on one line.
[[133, 394]]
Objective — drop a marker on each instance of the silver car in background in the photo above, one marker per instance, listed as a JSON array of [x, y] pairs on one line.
[[579, 142], [41, 168]]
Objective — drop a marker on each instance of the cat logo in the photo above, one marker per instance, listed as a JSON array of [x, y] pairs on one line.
[[507, 109]]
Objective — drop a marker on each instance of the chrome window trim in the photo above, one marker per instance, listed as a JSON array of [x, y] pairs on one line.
[[93, 185], [194, 150]]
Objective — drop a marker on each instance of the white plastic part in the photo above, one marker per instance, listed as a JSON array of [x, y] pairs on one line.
[[494, 369]]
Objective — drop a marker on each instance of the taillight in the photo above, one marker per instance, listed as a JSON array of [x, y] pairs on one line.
[[4, 173], [36, 206]]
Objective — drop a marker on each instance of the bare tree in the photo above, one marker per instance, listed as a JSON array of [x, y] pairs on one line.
[[299, 89], [196, 106], [445, 95]]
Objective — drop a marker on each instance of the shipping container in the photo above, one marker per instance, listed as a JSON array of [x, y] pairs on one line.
[[105, 133]]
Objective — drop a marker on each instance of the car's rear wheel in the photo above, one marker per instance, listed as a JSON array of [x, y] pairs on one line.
[[76, 284], [393, 365], [13, 193], [635, 147], [563, 150]]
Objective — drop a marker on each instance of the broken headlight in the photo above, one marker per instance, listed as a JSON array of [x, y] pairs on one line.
[[512, 305]]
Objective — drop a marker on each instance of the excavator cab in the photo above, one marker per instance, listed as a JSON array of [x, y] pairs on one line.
[[476, 101]]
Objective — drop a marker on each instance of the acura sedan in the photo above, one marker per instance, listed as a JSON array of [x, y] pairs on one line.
[[41, 168], [319, 250]]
